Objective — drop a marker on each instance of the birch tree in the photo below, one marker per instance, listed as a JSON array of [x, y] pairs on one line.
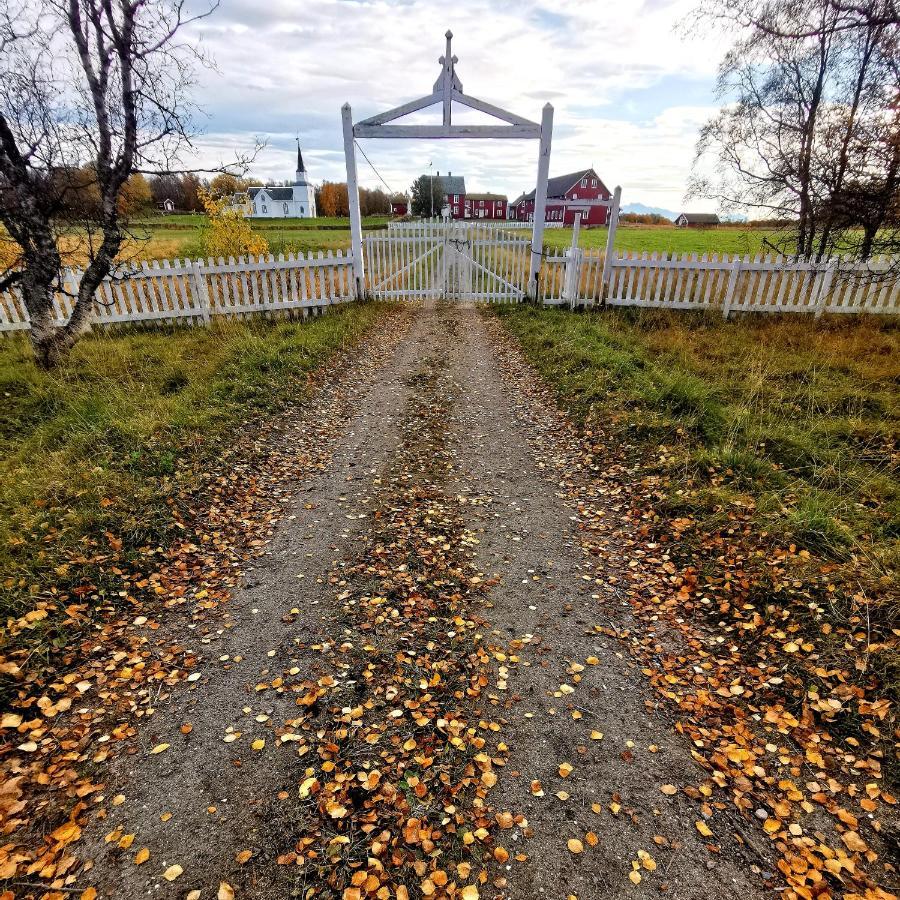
[[810, 127], [97, 86]]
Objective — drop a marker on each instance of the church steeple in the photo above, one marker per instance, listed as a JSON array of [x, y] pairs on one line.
[[301, 169]]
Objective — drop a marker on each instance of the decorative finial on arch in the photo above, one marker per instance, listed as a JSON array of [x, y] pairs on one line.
[[448, 66]]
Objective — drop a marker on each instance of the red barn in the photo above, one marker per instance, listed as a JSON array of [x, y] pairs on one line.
[[485, 206], [400, 208], [568, 195]]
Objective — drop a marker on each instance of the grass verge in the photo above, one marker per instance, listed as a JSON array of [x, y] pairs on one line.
[[92, 454], [764, 453]]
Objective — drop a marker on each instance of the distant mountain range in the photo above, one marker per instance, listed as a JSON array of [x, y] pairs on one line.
[[643, 210]]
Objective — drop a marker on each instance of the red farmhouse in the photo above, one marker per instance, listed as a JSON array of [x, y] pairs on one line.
[[400, 208], [566, 196], [468, 206], [485, 206]]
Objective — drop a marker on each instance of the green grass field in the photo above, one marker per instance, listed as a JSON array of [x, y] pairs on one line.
[[99, 446], [192, 220], [664, 239], [804, 419], [179, 236]]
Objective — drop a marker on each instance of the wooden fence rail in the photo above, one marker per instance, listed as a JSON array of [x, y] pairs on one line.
[[724, 283], [197, 290]]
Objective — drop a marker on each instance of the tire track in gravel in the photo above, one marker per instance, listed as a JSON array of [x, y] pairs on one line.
[[570, 681], [202, 801]]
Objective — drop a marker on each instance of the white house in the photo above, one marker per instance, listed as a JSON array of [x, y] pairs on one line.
[[296, 201]]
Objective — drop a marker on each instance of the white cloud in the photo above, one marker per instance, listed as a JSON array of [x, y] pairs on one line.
[[614, 74]]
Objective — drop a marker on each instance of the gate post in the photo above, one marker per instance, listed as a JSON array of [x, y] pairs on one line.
[[611, 223], [573, 260], [353, 201], [540, 200]]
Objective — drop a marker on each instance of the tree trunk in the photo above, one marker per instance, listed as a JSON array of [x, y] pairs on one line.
[[38, 295]]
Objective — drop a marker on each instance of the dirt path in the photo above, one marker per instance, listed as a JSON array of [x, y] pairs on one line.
[[411, 694]]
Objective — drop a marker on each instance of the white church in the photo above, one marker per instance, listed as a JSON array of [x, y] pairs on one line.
[[296, 201]]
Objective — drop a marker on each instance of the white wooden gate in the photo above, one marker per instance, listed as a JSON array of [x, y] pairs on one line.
[[407, 263], [456, 260]]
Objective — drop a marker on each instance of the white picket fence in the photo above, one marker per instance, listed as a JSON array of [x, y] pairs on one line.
[[478, 261], [197, 290], [723, 283]]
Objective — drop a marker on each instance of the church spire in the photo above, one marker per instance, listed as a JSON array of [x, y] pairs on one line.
[[300, 167]]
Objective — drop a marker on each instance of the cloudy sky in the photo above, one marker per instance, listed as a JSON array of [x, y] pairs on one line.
[[629, 81]]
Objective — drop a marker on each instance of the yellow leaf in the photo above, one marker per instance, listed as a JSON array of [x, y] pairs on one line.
[[703, 828], [634, 877], [669, 790], [565, 770], [855, 844], [258, 744], [172, 872], [226, 891], [160, 748], [469, 892], [71, 831], [575, 846], [141, 856]]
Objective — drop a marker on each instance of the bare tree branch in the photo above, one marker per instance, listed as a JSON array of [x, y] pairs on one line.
[[92, 93]]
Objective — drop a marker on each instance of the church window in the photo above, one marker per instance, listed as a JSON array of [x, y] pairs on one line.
[[301, 210], [284, 206], [264, 208]]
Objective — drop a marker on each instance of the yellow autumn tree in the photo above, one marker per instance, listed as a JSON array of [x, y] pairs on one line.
[[227, 232]]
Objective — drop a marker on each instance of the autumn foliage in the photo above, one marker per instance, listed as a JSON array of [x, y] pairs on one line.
[[227, 232]]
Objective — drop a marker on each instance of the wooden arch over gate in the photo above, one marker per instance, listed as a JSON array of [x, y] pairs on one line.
[[447, 90]]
